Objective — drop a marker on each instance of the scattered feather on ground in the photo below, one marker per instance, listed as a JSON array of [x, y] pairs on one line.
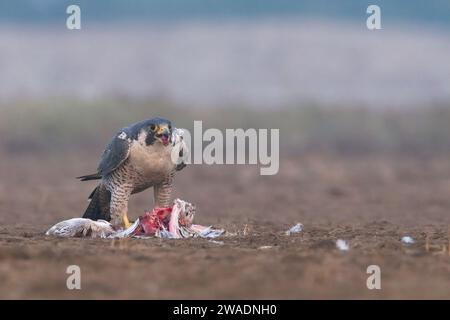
[[342, 245]]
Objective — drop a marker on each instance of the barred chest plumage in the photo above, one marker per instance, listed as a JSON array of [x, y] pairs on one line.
[[145, 167], [152, 163]]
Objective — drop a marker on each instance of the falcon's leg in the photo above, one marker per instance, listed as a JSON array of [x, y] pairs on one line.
[[119, 206], [163, 191]]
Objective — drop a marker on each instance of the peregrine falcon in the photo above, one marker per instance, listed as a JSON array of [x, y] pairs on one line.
[[137, 158]]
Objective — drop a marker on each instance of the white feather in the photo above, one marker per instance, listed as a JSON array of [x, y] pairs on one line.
[[81, 227]]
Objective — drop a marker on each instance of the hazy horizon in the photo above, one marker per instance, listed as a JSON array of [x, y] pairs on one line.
[[262, 54]]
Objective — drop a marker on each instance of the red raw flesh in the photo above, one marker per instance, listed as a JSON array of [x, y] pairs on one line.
[[154, 220]]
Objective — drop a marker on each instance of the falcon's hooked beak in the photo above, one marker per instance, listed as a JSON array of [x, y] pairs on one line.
[[163, 134]]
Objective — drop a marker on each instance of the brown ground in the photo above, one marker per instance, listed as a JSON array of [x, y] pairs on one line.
[[370, 201]]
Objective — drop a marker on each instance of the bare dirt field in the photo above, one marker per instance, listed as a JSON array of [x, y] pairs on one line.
[[369, 201]]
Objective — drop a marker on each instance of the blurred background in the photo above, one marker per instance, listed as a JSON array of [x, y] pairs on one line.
[[337, 91], [309, 67]]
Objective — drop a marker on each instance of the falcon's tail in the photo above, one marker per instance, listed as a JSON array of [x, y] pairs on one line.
[[99, 205]]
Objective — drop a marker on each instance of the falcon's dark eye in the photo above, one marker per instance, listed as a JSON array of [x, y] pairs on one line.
[[153, 127]]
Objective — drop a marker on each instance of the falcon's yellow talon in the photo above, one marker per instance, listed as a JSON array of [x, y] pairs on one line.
[[126, 222]]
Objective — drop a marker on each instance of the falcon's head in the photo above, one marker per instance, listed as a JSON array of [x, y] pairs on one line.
[[159, 130]]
